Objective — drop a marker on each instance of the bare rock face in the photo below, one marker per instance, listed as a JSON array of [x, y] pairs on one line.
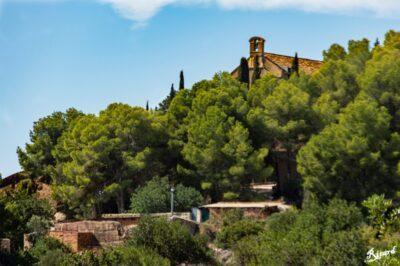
[[60, 217], [223, 256]]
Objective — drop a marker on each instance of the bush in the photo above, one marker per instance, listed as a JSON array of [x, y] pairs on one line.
[[235, 231], [56, 257], [317, 235], [155, 196], [38, 224], [171, 240], [17, 210], [343, 248], [130, 255], [48, 249], [247, 250], [231, 216]]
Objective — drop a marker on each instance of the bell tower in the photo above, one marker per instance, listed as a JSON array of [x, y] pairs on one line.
[[257, 49], [257, 45]]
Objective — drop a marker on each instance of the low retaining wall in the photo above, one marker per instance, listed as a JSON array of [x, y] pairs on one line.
[[88, 234], [109, 230], [129, 220]]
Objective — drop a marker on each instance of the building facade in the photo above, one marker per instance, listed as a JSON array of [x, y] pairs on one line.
[[261, 63]]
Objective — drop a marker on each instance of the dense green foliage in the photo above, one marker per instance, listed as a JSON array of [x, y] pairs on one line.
[[171, 240], [155, 197], [357, 155], [339, 126], [22, 213], [50, 252], [108, 155], [235, 227], [316, 235], [332, 137], [383, 215], [363, 151], [38, 157], [219, 145]]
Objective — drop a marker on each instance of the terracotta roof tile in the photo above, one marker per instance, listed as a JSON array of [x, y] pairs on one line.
[[307, 65]]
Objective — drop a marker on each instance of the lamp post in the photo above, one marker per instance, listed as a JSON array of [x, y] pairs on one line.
[[172, 200]]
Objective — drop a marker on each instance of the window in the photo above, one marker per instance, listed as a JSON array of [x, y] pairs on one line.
[[256, 45]]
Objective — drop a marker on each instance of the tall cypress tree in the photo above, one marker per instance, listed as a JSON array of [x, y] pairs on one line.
[[172, 92], [181, 81], [257, 70], [244, 71], [377, 42], [147, 105], [295, 65]]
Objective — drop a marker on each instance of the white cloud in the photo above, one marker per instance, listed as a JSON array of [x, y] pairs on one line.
[[142, 10], [138, 10]]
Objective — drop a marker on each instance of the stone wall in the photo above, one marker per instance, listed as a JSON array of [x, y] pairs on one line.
[[70, 239], [5, 245], [88, 234], [109, 230], [129, 220]]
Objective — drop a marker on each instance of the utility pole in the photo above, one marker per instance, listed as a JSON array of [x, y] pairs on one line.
[[172, 200]]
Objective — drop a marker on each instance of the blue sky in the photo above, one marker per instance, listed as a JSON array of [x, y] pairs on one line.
[[56, 54]]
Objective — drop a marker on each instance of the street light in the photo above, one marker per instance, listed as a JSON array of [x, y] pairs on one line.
[[172, 200]]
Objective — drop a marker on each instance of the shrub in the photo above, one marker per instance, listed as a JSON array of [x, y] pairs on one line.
[[317, 235], [231, 216], [171, 240], [56, 257], [231, 233], [130, 255], [47, 249], [247, 250], [38, 224], [17, 210]]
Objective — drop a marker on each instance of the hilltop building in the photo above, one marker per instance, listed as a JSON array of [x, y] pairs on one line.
[[273, 64]]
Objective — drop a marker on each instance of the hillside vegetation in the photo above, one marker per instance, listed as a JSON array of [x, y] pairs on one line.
[[341, 126]]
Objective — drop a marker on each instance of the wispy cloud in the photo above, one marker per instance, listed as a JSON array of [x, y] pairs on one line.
[[141, 11]]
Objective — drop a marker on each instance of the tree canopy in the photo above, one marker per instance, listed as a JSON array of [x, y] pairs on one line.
[[222, 134], [38, 158], [108, 156]]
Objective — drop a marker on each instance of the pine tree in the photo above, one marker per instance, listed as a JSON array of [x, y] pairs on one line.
[[295, 65], [181, 81], [244, 71]]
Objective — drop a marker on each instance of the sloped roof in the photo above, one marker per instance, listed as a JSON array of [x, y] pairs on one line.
[[258, 205], [307, 65], [13, 179]]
